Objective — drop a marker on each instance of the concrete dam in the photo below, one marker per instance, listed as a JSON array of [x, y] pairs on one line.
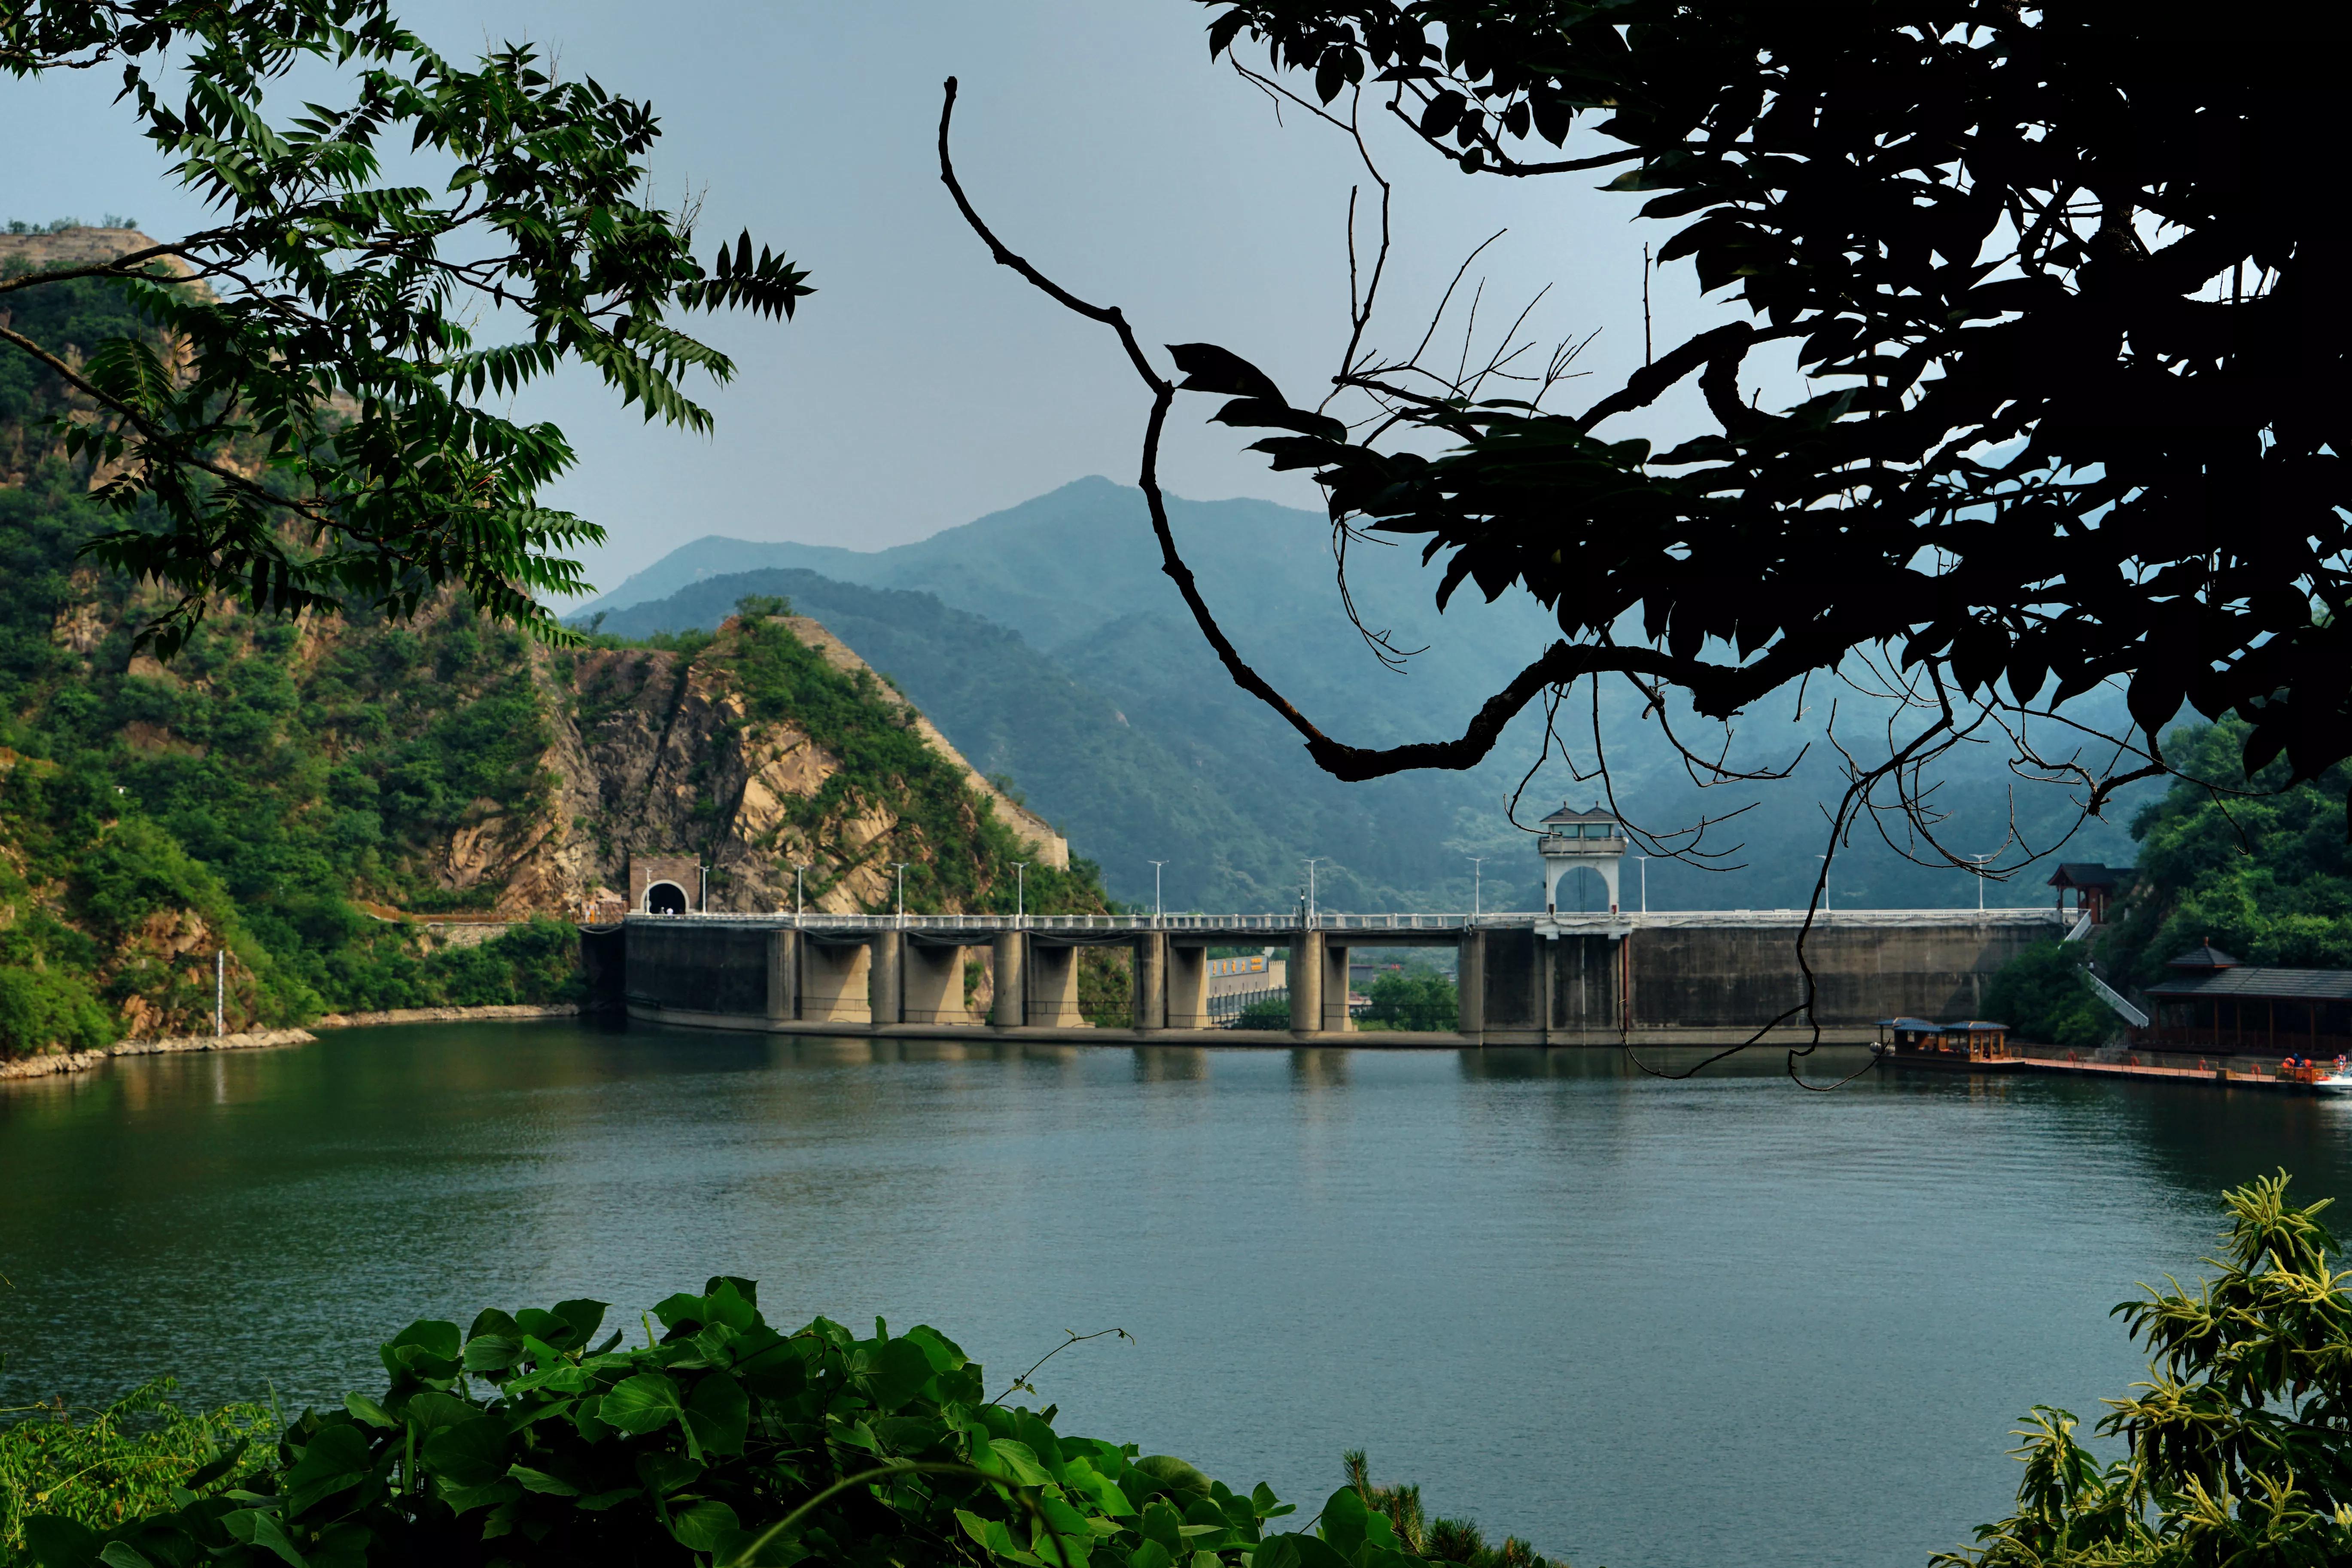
[[1548, 978]]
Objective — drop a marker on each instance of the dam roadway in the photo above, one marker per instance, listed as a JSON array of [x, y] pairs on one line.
[[1691, 978]]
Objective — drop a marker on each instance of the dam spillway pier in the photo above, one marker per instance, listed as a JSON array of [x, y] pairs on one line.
[[1548, 978]]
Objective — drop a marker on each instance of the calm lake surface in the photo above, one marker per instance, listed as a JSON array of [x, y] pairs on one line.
[[1641, 1323]]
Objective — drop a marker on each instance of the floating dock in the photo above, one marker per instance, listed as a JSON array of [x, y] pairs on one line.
[[2221, 1074]]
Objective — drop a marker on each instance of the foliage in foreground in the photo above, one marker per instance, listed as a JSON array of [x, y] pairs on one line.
[[337, 335], [123, 1462], [525, 1441], [2240, 1441]]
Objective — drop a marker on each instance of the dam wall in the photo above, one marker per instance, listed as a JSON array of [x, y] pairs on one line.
[[1695, 978]]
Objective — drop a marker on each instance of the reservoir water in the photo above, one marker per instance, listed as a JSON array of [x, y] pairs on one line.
[[1640, 1323]]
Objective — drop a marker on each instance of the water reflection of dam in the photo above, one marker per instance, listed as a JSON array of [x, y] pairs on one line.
[[1549, 978]]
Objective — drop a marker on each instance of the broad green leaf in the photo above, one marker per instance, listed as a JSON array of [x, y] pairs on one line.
[[718, 1414], [122, 1555], [1164, 1525], [367, 1410], [1014, 1462], [1167, 1474], [698, 1526], [470, 1454], [491, 1352], [336, 1458], [540, 1481], [643, 1404], [892, 1371], [57, 1541], [1343, 1520]]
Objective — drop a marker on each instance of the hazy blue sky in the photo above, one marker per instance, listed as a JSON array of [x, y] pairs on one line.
[[924, 386]]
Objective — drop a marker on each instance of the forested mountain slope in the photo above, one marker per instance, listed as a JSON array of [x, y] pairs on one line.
[[284, 791]]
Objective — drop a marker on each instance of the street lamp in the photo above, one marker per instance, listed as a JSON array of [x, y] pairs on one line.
[[900, 867], [1310, 886], [1020, 891], [1980, 860], [1644, 859], [1477, 880], [800, 905], [1155, 889]]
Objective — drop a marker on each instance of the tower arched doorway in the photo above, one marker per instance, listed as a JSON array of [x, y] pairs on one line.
[[665, 899]]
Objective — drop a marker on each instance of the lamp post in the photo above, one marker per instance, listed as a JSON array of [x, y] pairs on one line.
[[1644, 859], [1980, 860], [1155, 890], [1020, 891], [800, 906], [900, 867], [1477, 881], [1310, 886]]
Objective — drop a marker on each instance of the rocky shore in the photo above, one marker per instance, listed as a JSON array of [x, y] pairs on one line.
[[258, 1039], [81, 1061], [449, 1014]]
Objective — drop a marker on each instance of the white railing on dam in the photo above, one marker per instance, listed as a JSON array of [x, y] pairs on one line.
[[1327, 920]]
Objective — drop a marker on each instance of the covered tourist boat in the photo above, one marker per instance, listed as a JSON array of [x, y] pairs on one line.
[[1973, 1045]]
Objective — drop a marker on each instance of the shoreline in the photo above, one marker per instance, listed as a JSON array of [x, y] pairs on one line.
[[499, 1012], [82, 1061], [51, 1066]]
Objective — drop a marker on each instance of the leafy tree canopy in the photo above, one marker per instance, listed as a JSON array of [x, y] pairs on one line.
[[2260, 867], [2069, 318], [307, 431]]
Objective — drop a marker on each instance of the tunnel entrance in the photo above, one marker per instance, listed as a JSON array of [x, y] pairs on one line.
[[665, 899]]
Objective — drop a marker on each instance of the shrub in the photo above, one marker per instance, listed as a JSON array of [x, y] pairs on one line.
[[122, 1462], [525, 1441], [2044, 995], [46, 1009], [1421, 1002], [2239, 1444]]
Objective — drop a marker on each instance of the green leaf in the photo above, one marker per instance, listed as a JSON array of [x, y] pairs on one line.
[[491, 1352], [718, 1413], [425, 1349], [122, 1555], [1166, 1474], [57, 1541], [367, 1410], [1343, 1520], [892, 1371], [335, 1458], [470, 1454], [699, 1527], [645, 1402], [540, 1481]]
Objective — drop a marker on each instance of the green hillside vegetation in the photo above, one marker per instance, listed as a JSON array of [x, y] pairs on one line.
[[2257, 866], [251, 796], [1020, 715]]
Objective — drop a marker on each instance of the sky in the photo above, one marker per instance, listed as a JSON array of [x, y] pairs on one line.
[[923, 387]]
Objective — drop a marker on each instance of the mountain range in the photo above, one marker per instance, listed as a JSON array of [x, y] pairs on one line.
[[1048, 644]]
